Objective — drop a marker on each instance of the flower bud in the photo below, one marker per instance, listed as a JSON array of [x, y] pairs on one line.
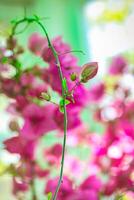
[[73, 76], [46, 96], [11, 43], [89, 70], [14, 126]]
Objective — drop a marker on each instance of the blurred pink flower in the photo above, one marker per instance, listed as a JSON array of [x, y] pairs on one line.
[[96, 92], [19, 186], [66, 59], [53, 154], [118, 65], [37, 121], [36, 43], [65, 190], [92, 183], [83, 195], [20, 146], [73, 122]]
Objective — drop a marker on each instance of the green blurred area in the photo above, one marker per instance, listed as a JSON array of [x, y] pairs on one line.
[[63, 17]]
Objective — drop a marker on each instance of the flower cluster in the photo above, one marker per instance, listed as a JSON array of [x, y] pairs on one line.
[[113, 151], [108, 170], [31, 91]]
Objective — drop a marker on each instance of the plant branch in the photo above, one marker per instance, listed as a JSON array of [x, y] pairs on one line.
[[36, 20]]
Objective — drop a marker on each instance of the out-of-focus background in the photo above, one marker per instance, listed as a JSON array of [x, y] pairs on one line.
[[100, 28]]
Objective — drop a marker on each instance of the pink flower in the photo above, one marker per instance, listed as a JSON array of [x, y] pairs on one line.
[[20, 146], [66, 60], [37, 121], [68, 64], [92, 183], [41, 173], [83, 195], [36, 43], [118, 66], [73, 122], [96, 92], [80, 96], [127, 127], [65, 189], [51, 76], [29, 169], [19, 186], [53, 154], [110, 187], [36, 90], [19, 105], [10, 87], [26, 79]]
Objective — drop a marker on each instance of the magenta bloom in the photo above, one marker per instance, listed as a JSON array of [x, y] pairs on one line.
[[20, 146], [66, 59], [65, 189], [36, 43], [83, 195], [73, 122], [118, 66], [27, 79], [53, 154], [96, 92], [93, 183], [10, 87], [37, 121], [19, 186]]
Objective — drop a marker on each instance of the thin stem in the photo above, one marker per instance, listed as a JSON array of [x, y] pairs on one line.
[[29, 20], [75, 86], [72, 51], [53, 102], [15, 26], [32, 182], [64, 109], [23, 29]]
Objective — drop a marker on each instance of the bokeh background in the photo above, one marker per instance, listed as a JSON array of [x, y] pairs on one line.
[[101, 29]]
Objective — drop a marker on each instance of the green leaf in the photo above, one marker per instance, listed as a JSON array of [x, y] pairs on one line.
[[49, 196], [4, 60], [64, 84], [61, 104], [36, 17]]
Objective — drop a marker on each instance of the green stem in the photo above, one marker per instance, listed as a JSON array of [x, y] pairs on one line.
[[72, 51], [29, 20], [32, 182]]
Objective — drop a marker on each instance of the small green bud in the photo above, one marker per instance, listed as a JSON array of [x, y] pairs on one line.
[[46, 96], [89, 70], [49, 196], [73, 76]]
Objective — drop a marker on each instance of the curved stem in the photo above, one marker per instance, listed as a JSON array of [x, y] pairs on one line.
[[15, 26], [29, 20], [72, 51]]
